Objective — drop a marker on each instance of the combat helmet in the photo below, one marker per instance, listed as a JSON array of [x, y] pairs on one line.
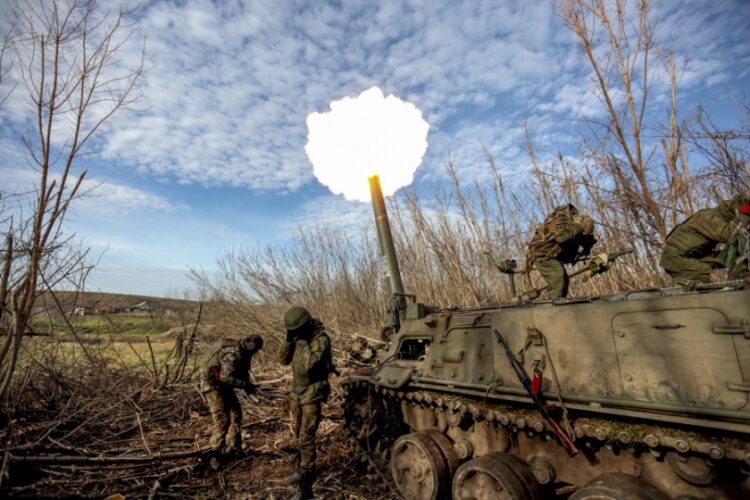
[[586, 223], [737, 206], [253, 343], [296, 318]]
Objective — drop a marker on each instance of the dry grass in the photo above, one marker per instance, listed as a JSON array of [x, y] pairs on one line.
[[67, 407], [440, 243]]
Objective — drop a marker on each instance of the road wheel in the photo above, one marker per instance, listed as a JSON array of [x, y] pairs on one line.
[[419, 468], [486, 478]]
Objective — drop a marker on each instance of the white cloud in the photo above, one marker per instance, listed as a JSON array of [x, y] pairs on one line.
[[235, 115], [577, 99], [230, 83], [96, 196], [331, 211], [110, 198]]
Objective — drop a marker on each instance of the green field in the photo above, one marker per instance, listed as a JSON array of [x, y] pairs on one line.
[[131, 326], [128, 341], [120, 352]]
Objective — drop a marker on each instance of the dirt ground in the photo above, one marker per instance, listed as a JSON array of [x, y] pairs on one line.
[[175, 420], [270, 451]]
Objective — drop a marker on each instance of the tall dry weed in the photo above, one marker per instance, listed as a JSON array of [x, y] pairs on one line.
[[440, 240]]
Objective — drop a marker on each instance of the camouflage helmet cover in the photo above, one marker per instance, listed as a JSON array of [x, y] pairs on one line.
[[586, 223], [296, 318]]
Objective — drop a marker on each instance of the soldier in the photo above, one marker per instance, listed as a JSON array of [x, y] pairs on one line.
[[229, 369], [690, 252], [563, 238], [308, 349]]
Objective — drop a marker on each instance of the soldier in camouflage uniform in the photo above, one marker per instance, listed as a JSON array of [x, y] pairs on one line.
[[308, 349], [564, 237], [229, 369], [690, 251]]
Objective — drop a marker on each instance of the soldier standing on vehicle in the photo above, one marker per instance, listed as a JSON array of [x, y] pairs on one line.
[[691, 250], [564, 237], [308, 349], [229, 369]]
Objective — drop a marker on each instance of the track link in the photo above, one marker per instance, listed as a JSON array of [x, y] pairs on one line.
[[588, 431]]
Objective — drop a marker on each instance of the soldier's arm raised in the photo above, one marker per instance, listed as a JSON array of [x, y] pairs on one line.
[[285, 352], [320, 354]]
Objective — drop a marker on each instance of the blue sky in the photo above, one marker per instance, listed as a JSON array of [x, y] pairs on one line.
[[213, 158]]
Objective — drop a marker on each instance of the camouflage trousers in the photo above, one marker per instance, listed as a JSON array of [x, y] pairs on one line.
[[682, 268], [226, 414], [554, 274], [305, 421]]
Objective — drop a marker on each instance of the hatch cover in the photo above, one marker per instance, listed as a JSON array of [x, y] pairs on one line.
[[673, 357]]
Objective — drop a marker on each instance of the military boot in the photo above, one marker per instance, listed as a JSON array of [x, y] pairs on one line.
[[295, 476], [304, 488], [215, 461]]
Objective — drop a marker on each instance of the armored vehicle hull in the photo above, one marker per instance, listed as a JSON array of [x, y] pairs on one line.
[[650, 388]]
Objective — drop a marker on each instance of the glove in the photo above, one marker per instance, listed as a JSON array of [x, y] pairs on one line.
[[599, 263], [250, 388]]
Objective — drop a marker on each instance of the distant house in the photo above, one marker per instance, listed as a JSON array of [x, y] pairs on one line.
[[141, 307], [102, 309]]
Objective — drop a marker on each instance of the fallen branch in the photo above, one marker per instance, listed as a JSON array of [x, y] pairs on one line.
[[63, 459], [273, 381]]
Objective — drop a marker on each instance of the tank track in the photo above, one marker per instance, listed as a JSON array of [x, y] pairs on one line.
[[376, 447], [590, 432]]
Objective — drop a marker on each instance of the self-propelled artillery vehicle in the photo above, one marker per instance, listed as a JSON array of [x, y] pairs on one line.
[[641, 394]]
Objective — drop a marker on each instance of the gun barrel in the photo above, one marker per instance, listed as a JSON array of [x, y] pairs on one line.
[[387, 249], [612, 256], [620, 253]]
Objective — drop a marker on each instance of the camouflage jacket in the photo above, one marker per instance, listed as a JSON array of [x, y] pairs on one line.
[[311, 362], [699, 234], [229, 367], [561, 236]]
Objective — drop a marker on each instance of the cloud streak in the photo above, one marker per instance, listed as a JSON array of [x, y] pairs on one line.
[[94, 195]]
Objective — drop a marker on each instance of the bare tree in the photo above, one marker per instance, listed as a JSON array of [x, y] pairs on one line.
[[66, 60], [725, 150], [5, 44], [618, 43]]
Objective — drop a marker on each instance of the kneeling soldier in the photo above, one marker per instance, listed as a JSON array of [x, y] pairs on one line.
[[308, 349], [691, 250], [229, 369], [564, 237]]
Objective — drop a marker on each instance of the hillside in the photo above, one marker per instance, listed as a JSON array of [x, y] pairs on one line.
[[113, 301]]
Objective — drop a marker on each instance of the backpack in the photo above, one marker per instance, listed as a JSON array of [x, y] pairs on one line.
[[543, 244]]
